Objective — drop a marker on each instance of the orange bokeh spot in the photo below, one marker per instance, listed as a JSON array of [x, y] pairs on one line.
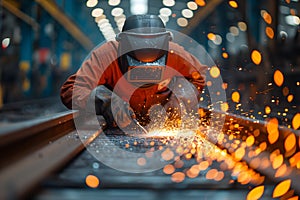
[[267, 110], [272, 128], [211, 36], [296, 121], [267, 17], [278, 78], [224, 106], [203, 165], [256, 192], [92, 181], [200, 2], [219, 176], [256, 57], [214, 72], [250, 140], [225, 55], [290, 142], [141, 161], [277, 162], [196, 75], [281, 171], [233, 4], [235, 96], [290, 98], [239, 153], [281, 188], [295, 159], [167, 154], [169, 169], [211, 174], [269, 32], [178, 177]]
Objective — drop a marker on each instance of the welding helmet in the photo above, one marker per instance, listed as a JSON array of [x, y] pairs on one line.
[[143, 49]]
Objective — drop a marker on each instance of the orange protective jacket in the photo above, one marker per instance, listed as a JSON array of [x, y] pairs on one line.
[[101, 68]]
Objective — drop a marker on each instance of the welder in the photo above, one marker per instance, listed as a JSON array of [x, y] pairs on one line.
[[124, 80]]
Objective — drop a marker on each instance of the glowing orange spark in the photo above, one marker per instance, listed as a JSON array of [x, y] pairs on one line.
[[278, 78], [296, 121], [178, 177], [92, 181], [214, 72], [224, 106], [256, 57], [290, 142], [239, 153], [211, 174], [267, 110], [225, 55], [290, 98], [256, 193], [277, 162], [250, 140], [267, 17], [211, 36], [169, 169], [272, 128], [200, 2], [233, 4], [281, 188], [235, 96], [269, 32], [281, 171]]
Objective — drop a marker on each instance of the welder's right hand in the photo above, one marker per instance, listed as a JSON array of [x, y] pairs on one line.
[[115, 110]]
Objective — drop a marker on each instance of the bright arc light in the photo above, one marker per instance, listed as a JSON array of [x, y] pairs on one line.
[[169, 3], [91, 3], [192, 5], [165, 12], [117, 12], [138, 7], [187, 13], [97, 12]]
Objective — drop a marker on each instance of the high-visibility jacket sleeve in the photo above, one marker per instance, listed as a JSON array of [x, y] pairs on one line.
[[78, 87]]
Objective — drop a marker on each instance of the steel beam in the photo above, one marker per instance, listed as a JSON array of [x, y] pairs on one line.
[[12, 7], [51, 7]]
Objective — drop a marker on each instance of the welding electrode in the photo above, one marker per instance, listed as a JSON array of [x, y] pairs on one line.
[[139, 125], [137, 122]]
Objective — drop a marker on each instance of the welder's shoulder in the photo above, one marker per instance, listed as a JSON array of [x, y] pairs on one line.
[[178, 50], [110, 47]]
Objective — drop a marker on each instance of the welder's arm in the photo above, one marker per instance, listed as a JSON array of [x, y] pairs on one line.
[[115, 111]]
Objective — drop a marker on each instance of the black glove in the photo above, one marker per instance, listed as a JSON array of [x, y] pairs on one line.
[[115, 111]]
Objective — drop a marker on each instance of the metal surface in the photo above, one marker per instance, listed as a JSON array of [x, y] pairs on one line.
[[25, 168]]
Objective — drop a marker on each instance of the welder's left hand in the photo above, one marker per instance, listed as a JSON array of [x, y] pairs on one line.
[[114, 109]]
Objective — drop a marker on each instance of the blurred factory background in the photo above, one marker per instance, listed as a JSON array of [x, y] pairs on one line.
[[254, 44]]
